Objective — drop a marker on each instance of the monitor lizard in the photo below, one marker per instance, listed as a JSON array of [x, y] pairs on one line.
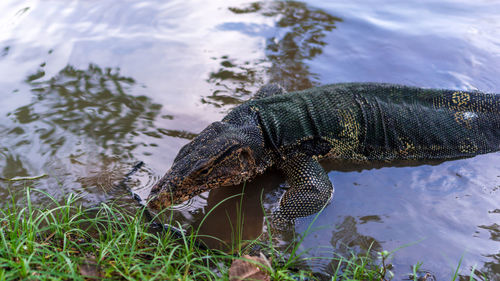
[[355, 121]]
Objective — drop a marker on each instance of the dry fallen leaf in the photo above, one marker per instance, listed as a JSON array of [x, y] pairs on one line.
[[248, 268], [90, 268]]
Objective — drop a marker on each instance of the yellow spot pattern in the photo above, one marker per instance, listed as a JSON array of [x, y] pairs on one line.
[[346, 144]]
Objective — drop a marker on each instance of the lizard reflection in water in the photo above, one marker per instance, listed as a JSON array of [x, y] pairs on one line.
[[352, 121]]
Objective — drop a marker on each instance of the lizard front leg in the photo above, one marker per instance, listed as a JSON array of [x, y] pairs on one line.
[[310, 189]]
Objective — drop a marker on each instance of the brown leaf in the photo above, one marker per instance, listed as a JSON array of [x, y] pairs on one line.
[[90, 269], [249, 268]]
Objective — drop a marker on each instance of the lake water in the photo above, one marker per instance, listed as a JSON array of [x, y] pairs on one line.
[[90, 87]]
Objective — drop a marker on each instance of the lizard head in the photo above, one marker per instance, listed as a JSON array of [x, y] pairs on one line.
[[223, 154]]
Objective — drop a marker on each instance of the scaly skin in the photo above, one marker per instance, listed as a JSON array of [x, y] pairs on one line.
[[293, 131]]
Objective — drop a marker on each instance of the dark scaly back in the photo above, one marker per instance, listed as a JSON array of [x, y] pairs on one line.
[[380, 121], [301, 120], [414, 123]]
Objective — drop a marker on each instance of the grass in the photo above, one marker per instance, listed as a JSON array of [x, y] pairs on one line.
[[66, 242]]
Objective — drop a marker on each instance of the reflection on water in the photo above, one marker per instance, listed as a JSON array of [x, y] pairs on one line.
[[298, 37], [13, 166], [79, 119], [5, 51], [386, 206], [236, 219], [494, 230], [489, 270], [89, 103], [81, 88], [346, 239]]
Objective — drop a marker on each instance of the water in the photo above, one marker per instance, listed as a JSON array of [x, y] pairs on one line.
[[88, 88]]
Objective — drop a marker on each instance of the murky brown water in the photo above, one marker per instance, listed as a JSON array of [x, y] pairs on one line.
[[90, 87]]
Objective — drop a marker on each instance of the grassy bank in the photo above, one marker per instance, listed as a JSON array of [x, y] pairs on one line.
[[64, 241]]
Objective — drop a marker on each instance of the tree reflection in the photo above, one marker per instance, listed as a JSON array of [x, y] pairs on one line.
[[13, 167], [346, 240], [90, 103], [234, 214], [304, 29], [491, 269], [81, 127]]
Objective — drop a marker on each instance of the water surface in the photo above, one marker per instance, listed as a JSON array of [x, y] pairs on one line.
[[88, 88]]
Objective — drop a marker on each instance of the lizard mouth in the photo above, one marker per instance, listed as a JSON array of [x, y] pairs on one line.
[[161, 201], [225, 162], [168, 197]]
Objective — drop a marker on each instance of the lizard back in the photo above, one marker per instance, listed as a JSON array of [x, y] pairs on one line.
[[381, 121]]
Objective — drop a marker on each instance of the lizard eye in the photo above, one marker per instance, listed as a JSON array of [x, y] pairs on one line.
[[204, 172]]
